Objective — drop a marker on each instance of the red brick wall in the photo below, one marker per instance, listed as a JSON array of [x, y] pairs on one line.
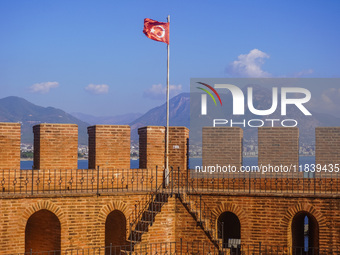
[[109, 146], [264, 218], [278, 145], [163, 229], [178, 157], [267, 219], [115, 229], [152, 147], [55, 146], [42, 232], [10, 145], [186, 226], [82, 218], [172, 224], [78, 180], [327, 145], [222, 146]]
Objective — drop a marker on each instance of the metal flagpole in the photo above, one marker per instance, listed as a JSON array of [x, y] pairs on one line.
[[167, 113]]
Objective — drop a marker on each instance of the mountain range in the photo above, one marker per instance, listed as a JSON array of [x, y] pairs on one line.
[[15, 109], [123, 119]]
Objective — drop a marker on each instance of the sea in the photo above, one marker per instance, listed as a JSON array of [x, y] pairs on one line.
[[134, 163]]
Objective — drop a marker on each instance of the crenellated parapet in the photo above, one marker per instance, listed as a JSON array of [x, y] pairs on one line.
[[55, 146], [109, 146], [152, 147], [10, 145]]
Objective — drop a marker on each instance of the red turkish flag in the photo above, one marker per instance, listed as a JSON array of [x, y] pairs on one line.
[[158, 31]]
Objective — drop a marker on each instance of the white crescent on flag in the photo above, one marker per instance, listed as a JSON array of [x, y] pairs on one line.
[[163, 31], [158, 31]]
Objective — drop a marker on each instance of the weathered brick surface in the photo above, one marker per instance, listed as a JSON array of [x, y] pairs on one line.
[[186, 226], [265, 183], [55, 146], [178, 147], [10, 145], [42, 232], [267, 219], [278, 146], [82, 218], [78, 180], [152, 147], [222, 146], [264, 218], [327, 145], [164, 227], [175, 224], [109, 146]]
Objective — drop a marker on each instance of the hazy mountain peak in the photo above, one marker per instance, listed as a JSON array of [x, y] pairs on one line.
[[16, 109]]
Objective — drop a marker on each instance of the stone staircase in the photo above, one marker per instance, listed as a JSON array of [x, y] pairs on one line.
[[198, 209], [193, 203], [147, 216]]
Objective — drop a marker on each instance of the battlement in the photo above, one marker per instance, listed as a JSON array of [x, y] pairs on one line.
[[55, 146], [55, 161], [109, 146], [10, 145], [111, 204]]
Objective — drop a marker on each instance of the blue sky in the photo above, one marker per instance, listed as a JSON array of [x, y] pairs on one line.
[[92, 57]]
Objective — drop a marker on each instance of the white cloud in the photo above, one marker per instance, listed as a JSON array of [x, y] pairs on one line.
[[249, 65], [43, 87], [328, 101], [303, 73], [331, 97], [97, 88], [158, 91]]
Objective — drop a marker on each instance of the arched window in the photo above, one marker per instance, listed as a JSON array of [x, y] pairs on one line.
[[115, 230], [305, 234], [229, 230], [43, 232]]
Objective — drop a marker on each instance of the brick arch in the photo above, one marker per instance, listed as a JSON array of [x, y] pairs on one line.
[[44, 205], [230, 207], [106, 210], [293, 211], [235, 209], [114, 205], [47, 205]]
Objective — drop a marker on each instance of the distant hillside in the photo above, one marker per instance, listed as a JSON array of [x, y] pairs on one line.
[[16, 109], [123, 119], [179, 115]]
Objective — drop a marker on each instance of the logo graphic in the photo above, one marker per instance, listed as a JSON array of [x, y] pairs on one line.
[[204, 97], [249, 103], [239, 99]]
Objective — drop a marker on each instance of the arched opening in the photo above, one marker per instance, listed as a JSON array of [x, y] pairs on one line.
[[115, 231], [229, 230], [43, 232], [305, 234]]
